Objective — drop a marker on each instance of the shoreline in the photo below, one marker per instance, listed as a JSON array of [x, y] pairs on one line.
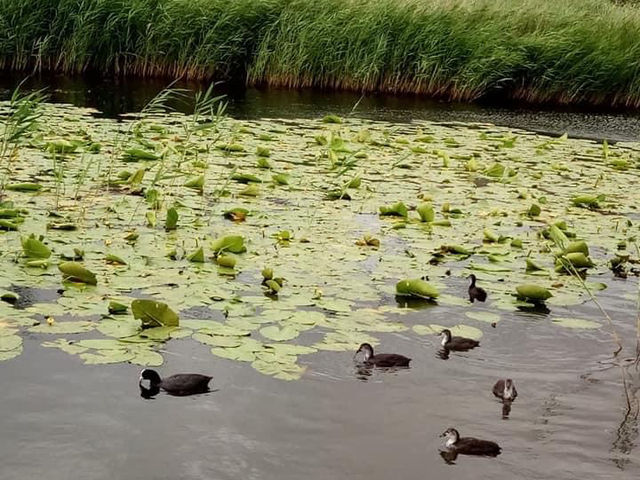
[[533, 51]]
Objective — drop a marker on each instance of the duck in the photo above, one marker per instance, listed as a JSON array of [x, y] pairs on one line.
[[457, 343], [382, 359], [469, 445], [505, 390], [476, 293], [180, 384]]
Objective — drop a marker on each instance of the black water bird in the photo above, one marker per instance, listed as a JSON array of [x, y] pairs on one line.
[[476, 293], [180, 384], [460, 344], [469, 445], [381, 359], [505, 390]]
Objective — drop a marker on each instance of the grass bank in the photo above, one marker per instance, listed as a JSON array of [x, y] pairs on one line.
[[541, 51]]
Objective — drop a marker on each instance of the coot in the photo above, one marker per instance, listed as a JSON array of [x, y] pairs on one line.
[[476, 293], [180, 384], [382, 359], [505, 390], [469, 445], [457, 343]]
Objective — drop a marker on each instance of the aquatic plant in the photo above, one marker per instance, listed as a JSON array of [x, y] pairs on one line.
[[577, 51], [174, 247]]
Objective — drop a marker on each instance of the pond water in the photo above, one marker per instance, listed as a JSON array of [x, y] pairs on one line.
[[287, 402]]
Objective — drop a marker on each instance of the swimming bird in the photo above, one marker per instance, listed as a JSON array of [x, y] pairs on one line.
[[505, 390], [180, 384], [476, 293], [469, 445], [382, 359], [457, 343]]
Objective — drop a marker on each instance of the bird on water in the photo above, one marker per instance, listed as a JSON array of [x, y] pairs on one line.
[[505, 390], [469, 445], [461, 344], [180, 384], [381, 359], [476, 293]]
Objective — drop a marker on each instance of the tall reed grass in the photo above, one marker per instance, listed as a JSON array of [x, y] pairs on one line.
[[569, 51]]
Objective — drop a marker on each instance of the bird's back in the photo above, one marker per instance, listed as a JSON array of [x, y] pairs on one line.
[[474, 446], [186, 383], [390, 360]]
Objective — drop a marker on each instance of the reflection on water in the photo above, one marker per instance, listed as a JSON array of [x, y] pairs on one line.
[[113, 96]]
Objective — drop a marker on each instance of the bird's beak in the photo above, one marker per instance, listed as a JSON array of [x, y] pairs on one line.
[[443, 434]]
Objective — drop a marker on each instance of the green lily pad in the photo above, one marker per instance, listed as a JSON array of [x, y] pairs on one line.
[[76, 272], [153, 313], [63, 327], [229, 243], [279, 334], [577, 323], [34, 248], [483, 316]]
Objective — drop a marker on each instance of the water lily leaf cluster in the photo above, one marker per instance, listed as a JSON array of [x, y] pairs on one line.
[[359, 229]]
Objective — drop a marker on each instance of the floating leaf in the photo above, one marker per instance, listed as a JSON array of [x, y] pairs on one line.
[[146, 357], [66, 346], [228, 261], [229, 243], [483, 316], [34, 248], [172, 219], [105, 357], [416, 287], [195, 182], [114, 259], [197, 256], [279, 334], [397, 209], [116, 308], [531, 291], [457, 330], [153, 313], [588, 201], [331, 119], [24, 187], [135, 154], [217, 340], [262, 152], [577, 323], [245, 178], [75, 272], [236, 214], [10, 342], [426, 212], [63, 327], [281, 179]]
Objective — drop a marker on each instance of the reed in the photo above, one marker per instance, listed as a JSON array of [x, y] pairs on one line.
[[543, 51]]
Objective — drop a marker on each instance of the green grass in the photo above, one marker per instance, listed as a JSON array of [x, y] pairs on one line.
[[574, 51]]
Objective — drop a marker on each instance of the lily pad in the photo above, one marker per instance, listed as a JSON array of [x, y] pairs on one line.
[[577, 323], [153, 313], [76, 272]]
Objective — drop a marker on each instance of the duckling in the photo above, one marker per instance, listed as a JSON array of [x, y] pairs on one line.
[[180, 384], [505, 390], [469, 445], [382, 359], [460, 344], [476, 293]]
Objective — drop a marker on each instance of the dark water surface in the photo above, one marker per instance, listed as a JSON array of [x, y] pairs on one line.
[[112, 97], [68, 420], [60, 419]]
